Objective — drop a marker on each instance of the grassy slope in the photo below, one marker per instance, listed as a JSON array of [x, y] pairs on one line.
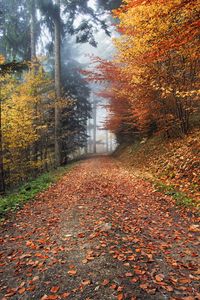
[[29, 190], [173, 165]]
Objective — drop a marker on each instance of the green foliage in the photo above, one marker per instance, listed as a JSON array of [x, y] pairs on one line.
[[181, 198], [15, 200]]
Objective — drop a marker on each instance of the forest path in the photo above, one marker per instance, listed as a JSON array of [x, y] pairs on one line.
[[100, 233]]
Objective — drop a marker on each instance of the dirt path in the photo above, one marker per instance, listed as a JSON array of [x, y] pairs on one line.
[[100, 234]]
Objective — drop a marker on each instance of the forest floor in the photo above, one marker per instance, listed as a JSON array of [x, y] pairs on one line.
[[100, 233], [171, 163]]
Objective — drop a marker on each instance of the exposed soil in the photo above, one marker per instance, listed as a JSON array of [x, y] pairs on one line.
[[100, 233]]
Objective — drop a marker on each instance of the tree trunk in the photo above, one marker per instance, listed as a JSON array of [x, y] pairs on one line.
[[89, 138], [111, 142], [95, 126], [57, 50], [2, 182], [107, 141], [33, 29]]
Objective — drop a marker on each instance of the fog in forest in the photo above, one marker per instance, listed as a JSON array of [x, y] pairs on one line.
[[78, 55]]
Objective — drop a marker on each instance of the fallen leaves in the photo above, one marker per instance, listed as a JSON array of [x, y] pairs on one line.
[[149, 249], [194, 228]]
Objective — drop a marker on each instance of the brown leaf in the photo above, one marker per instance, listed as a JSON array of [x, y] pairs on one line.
[[84, 261], [194, 228], [151, 291], [35, 278], [86, 282], [81, 235]]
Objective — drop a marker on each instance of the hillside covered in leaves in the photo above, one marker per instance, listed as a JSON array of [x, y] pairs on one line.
[[173, 165]]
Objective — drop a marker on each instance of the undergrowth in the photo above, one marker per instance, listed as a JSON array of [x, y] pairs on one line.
[[14, 200], [181, 198]]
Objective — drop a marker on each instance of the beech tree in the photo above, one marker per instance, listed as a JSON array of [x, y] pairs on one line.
[[153, 80]]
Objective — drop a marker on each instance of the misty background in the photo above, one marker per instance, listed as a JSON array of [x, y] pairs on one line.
[[77, 55]]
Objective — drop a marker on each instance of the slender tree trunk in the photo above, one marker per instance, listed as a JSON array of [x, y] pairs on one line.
[[95, 126], [2, 182], [111, 142], [107, 141], [57, 84], [33, 29], [90, 137]]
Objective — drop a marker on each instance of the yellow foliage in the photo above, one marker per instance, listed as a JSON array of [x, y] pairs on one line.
[[23, 106], [2, 59]]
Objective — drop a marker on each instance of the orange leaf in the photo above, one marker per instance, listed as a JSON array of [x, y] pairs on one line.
[[132, 257], [113, 286], [21, 291], [65, 295], [72, 272], [144, 286], [55, 289], [168, 288], [120, 297], [159, 277]]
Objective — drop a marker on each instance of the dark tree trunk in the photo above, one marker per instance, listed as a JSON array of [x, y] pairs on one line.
[[33, 29], [57, 84], [2, 181], [95, 126]]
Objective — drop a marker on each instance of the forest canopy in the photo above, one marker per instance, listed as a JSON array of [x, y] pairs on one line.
[[153, 81]]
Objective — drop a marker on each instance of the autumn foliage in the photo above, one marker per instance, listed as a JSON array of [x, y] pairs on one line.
[[153, 79], [27, 110]]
